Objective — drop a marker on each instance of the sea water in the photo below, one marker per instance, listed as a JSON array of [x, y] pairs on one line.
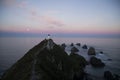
[[13, 48]]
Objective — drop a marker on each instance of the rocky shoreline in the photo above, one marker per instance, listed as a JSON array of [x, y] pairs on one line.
[[50, 61], [93, 61]]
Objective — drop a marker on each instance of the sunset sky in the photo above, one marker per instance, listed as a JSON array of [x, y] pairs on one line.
[[67, 17]]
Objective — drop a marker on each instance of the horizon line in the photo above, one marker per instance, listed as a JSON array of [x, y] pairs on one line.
[[96, 35]]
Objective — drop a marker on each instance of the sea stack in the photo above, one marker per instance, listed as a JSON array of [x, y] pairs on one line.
[[91, 51]]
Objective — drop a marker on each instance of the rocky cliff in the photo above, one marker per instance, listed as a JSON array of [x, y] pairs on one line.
[[47, 61]]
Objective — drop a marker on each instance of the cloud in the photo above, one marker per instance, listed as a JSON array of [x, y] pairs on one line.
[[22, 4], [52, 21], [45, 18], [15, 3]]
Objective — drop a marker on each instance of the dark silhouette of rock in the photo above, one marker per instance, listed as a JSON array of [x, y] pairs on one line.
[[101, 52], [75, 77], [95, 62], [46, 61], [74, 49], [84, 47], [108, 75], [63, 46], [79, 60], [78, 76], [78, 44], [116, 77], [72, 44], [91, 51], [109, 59]]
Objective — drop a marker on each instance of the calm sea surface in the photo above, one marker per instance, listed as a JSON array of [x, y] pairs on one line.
[[12, 49]]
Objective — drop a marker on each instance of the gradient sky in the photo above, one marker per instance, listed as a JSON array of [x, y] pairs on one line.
[[60, 16]]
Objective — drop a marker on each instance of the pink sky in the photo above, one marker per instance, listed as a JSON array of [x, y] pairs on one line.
[[88, 17]]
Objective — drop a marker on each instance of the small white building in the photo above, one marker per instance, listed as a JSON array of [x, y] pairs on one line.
[[48, 37]]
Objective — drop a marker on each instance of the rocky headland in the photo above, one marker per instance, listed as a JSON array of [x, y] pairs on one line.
[[50, 61]]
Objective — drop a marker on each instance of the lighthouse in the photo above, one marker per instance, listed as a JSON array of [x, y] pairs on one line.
[[48, 37]]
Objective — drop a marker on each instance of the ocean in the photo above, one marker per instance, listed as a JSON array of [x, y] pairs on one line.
[[13, 48]]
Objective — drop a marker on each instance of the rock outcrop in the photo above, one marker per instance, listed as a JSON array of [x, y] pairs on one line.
[[108, 75], [91, 51], [74, 49], [85, 46], [78, 44], [46, 61], [72, 44], [79, 60], [101, 52], [95, 62], [63, 46], [79, 66], [116, 77]]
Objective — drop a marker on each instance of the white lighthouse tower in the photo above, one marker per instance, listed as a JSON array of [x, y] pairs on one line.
[[48, 37]]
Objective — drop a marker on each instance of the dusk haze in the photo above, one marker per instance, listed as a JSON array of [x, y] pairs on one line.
[[59, 39], [62, 17]]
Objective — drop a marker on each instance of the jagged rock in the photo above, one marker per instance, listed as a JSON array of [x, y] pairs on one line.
[[50, 44], [74, 49], [109, 59], [116, 77], [79, 60], [63, 46], [72, 44], [101, 52], [108, 75], [95, 62], [45, 61], [78, 44], [84, 47], [78, 76], [91, 51], [80, 63]]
